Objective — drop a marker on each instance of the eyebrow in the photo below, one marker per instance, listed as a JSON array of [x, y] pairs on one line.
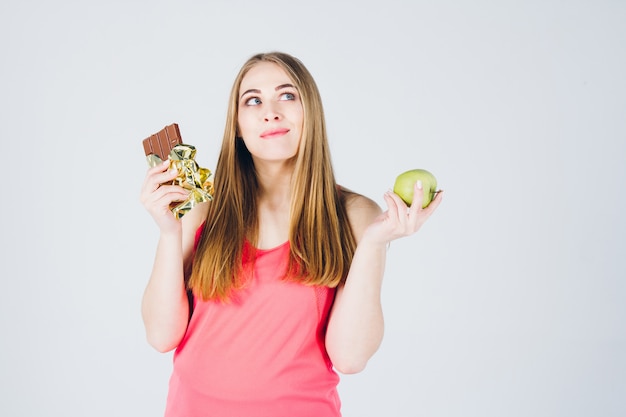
[[257, 91]]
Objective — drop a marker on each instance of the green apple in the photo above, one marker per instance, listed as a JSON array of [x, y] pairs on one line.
[[405, 182]]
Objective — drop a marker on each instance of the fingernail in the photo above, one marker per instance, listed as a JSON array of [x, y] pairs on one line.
[[419, 184]]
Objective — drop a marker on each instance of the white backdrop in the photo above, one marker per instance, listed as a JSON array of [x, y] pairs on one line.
[[510, 300]]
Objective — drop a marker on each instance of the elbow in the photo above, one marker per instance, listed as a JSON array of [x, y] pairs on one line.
[[164, 335], [348, 361], [162, 344], [348, 367], [161, 347], [349, 357]]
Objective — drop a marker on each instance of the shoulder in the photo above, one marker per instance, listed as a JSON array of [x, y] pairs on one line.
[[361, 211]]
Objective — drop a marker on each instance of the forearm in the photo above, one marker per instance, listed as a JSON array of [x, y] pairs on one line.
[[165, 308], [356, 327]]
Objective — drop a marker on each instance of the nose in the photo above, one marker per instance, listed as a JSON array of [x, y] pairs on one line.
[[271, 113]]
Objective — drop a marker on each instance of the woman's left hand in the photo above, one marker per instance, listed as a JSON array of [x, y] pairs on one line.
[[399, 220]]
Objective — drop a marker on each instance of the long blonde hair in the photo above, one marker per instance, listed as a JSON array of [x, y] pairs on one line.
[[321, 241]]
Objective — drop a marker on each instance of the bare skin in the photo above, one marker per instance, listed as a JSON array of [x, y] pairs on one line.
[[270, 120]]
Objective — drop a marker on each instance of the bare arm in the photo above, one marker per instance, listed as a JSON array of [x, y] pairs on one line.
[[356, 325], [165, 307]]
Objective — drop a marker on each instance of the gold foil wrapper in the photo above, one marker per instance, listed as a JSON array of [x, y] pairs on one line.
[[199, 181]]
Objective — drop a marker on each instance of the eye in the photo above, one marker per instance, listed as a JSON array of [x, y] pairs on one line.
[[253, 101], [287, 96]]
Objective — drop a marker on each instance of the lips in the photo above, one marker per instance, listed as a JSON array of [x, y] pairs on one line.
[[272, 133]]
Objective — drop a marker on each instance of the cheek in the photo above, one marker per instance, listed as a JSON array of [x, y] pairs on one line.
[[242, 124], [298, 118]]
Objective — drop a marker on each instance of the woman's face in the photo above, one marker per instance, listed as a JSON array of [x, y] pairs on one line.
[[270, 113]]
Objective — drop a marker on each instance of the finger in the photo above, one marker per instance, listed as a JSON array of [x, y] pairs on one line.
[[153, 171], [418, 198], [166, 176], [163, 166], [393, 202], [163, 196], [156, 179], [399, 203], [171, 193], [435, 202]]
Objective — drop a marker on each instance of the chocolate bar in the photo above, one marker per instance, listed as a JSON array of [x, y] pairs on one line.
[[162, 142]]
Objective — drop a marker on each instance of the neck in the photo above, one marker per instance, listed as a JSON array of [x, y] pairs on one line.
[[274, 204], [274, 181]]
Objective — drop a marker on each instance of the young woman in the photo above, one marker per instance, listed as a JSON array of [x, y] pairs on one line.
[[283, 268]]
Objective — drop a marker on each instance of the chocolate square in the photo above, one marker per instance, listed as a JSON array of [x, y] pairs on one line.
[[162, 142]]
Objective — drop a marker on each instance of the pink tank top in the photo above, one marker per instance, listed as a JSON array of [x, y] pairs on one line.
[[261, 355]]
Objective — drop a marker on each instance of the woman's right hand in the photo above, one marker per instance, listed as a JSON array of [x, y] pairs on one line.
[[156, 196]]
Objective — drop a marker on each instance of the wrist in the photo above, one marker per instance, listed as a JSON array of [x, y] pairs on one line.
[[169, 234], [372, 242]]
